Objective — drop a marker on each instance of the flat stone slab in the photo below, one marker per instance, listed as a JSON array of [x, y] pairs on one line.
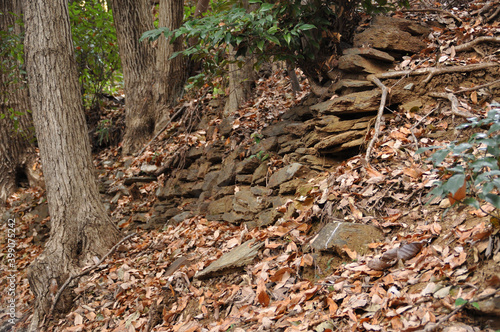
[[231, 261], [369, 52], [334, 236], [358, 63], [285, 174], [358, 102]]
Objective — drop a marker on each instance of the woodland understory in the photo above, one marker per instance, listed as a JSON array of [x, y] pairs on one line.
[[434, 267]]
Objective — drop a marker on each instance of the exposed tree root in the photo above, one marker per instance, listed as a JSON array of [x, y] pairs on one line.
[[385, 91], [434, 10], [443, 319], [431, 71], [478, 87], [84, 272], [454, 103], [470, 45]]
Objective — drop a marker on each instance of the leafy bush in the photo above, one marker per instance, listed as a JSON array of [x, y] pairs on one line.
[[96, 49], [277, 30], [474, 174]]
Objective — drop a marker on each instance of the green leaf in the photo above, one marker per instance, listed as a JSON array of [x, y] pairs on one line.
[[305, 27], [472, 202], [287, 38], [460, 301], [476, 305], [438, 156], [493, 200], [260, 45], [266, 7], [454, 183]]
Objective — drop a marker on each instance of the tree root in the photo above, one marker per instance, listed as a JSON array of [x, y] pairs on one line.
[[84, 272], [385, 91], [435, 10], [470, 45], [431, 71], [454, 103], [457, 309]]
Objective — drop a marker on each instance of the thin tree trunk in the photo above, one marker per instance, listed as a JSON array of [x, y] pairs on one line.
[[170, 73], [132, 18], [80, 228], [16, 132]]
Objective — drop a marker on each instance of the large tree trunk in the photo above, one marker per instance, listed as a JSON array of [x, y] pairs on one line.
[[171, 74], [16, 134], [80, 228], [132, 18], [240, 78]]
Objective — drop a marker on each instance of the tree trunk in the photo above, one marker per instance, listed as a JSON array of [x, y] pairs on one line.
[[132, 18], [240, 79], [80, 228], [170, 73], [16, 132]]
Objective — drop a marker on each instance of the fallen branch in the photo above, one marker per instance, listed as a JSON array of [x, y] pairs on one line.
[[84, 272], [385, 91], [434, 10], [484, 39], [437, 70], [493, 15], [454, 103], [457, 309]]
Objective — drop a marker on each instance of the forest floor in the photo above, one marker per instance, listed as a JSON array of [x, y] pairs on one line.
[[444, 274]]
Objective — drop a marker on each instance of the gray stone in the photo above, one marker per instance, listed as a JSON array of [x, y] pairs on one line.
[[368, 52], [237, 218], [226, 126], [268, 217], [290, 187], [194, 153], [210, 181], [357, 63], [215, 152], [286, 173], [245, 201], [339, 139], [259, 176], [389, 38], [340, 126], [260, 191], [349, 84], [276, 129], [247, 166], [357, 102], [232, 261], [297, 113], [243, 178], [267, 144], [334, 236], [413, 27], [181, 217], [224, 204], [227, 173]]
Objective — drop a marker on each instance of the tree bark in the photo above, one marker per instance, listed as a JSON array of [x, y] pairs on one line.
[[80, 228], [240, 78], [170, 73], [132, 18], [16, 129]]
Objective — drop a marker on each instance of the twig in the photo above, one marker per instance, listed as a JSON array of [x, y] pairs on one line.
[[478, 40], [437, 70], [84, 272], [375, 80], [493, 15], [454, 103], [484, 9], [435, 10], [457, 309], [161, 130], [477, 87]]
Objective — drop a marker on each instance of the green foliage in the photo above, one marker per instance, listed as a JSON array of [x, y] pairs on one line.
[[475, 162], [96, 49], [103, 129], [275, 29], [12, 52]]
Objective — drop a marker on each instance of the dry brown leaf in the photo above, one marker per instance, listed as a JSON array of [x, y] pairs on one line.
[[262, 296]]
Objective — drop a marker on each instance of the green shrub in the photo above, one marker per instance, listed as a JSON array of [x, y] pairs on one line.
[[96, 49], [475, 163]]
